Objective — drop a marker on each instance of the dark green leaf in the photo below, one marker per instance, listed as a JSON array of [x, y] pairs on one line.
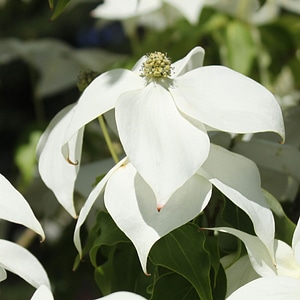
[[173, 286], [183, 252]]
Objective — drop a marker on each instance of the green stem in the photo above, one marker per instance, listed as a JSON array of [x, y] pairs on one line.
[[108, 140]]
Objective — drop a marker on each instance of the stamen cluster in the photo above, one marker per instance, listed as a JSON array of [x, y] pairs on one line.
[[157, 65]]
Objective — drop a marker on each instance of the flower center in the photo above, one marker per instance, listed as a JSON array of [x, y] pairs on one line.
[[157, 65]]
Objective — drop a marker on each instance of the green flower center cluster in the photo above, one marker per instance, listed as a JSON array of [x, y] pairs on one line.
[[157, 65]]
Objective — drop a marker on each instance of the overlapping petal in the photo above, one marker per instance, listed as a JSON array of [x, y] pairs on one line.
[[58, 173], [259, 255], [20, 261], [238, 178], [194, 59], [100, 96], [89, 203], [14, 208], [227, 100], [162, 145], [132, 205], [268, 288]]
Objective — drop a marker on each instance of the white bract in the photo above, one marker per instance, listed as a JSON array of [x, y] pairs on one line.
[[14, 208], [138, 213], [150, 12], [162, 113], [14, 258], [279, 280]]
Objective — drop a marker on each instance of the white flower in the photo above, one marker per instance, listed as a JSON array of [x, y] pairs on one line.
[[161, 116], [128, 9], [14, 258], [279, 280], [133, 206]]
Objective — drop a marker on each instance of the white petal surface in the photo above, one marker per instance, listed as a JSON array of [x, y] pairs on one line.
[[190, 10], [3, 274], [14, 208], [259, 256], [42, 293], [120, 10], [122, 296], [296, 242], [272, 288], [132, 205], [162, 145], [57, 173], [89, 203], [238, 179], [194, 59], [286, 265], [100, 96], [20, 261], [227, 100]]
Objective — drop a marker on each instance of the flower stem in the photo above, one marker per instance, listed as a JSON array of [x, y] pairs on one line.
[[108, 140]]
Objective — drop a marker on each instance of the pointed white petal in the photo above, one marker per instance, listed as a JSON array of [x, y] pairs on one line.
[[238, 179], [227, 100], [89, 203], [14, 207], [42, 293], [99, 97], [57, 173], [122, 296], [20, 261], [133, 206], [191, 10], [259, 255], [194, 59], [125, 9], [162, 145], [296, 242], [269, 288]]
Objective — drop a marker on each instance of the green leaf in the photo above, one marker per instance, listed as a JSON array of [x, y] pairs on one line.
[[121, 271], [114, 258], [173, 286], [59, 7], [284, 227], [183, 252], [240, 47]]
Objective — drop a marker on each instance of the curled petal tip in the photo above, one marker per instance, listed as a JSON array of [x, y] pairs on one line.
[[72, 163]]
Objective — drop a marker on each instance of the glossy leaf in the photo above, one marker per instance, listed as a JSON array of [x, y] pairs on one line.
[[183, 252]]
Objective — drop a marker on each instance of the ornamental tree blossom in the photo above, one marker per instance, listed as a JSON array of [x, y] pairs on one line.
[[128, 9], [138, 213], [278, 279], [14, 258], [162, 113]]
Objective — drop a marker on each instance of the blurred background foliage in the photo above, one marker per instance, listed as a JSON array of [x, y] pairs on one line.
[[42, 51]]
